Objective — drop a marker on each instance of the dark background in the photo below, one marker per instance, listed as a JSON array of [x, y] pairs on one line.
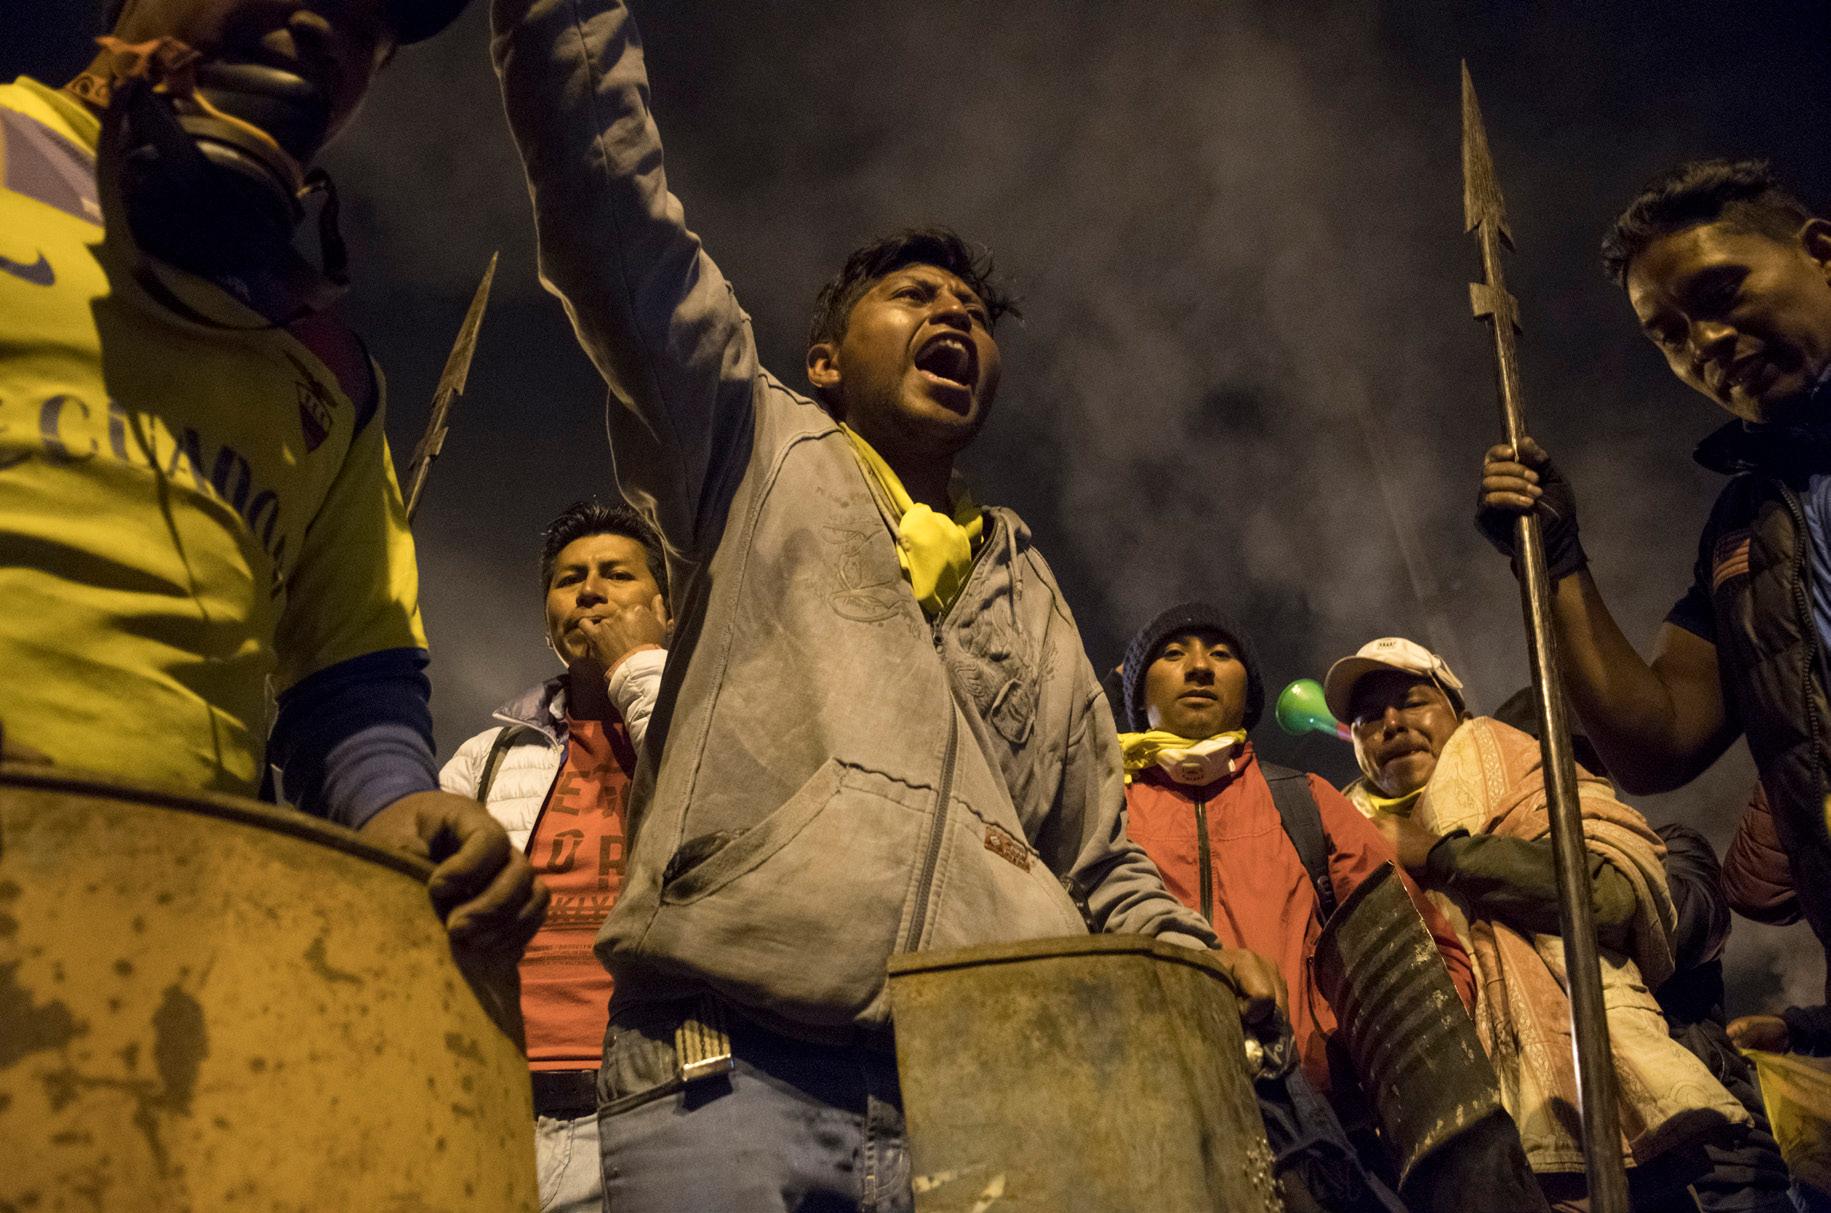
[[1247, 370]]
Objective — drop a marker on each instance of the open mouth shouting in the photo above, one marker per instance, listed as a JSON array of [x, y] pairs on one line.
[[948, 361]]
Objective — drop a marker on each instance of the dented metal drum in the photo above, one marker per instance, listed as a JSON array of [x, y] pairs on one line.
[[208, 1003], [1080, 1075], [1414, 1046]]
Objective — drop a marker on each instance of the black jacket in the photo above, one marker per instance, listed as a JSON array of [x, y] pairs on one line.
[[1752, 592]]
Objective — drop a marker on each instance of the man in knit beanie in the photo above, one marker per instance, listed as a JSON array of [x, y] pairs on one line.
[[1213, 817]]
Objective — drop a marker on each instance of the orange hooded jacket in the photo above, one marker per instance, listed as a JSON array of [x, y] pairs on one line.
[[1258, 895]]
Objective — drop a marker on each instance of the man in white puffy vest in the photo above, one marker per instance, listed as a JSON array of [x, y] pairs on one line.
[[556, 773]]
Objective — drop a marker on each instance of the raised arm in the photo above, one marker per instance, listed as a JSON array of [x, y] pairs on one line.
[[648, 305], [1657, 724]]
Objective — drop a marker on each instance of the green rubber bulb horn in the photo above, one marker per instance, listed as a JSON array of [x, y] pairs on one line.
[[1301, 709]]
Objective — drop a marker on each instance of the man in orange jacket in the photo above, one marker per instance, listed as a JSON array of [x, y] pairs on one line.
[[1229, 833]]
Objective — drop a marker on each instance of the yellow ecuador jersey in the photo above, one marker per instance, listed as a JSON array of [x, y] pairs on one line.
[[185, 511]]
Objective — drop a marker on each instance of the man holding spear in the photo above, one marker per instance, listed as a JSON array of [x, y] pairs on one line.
[[1484, 215], [1729, 276]]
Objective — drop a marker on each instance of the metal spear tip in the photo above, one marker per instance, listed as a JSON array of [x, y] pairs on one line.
[[457, 364], [1481, 200], [451, 385]]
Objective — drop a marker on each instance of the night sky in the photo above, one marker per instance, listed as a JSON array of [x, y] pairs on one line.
[[1246, 370]]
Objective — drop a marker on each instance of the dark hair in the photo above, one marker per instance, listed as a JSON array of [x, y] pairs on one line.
[[583, 518], [936, 246], [1178, 620], [1742, 193]]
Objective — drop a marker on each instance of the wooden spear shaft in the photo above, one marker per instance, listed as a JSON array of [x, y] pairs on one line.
[[1485, 215]]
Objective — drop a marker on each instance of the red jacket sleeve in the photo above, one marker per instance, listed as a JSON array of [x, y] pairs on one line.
[[1757, 878], [1356, 851]]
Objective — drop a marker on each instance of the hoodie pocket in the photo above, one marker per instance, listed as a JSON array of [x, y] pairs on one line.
[[800, 912], [706, 864]]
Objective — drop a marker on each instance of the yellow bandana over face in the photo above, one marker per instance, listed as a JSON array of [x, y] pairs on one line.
[[1181, 757], [935, 551]]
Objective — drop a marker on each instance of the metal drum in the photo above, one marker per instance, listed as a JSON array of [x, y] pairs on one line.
[[1417, 1054], [1097, 1074], [208, 1003]]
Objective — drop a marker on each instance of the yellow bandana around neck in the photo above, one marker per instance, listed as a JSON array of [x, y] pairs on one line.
[[935, 551], [1143, 750], [1399, 805]]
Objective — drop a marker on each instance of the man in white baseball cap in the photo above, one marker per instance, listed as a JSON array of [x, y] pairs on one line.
[[1462, 799], [1403, 670], [1388, 653]]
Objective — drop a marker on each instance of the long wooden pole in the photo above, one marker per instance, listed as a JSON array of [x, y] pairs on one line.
[[1485, 214]]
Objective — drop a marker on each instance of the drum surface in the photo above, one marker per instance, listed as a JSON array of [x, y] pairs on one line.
[[208, 1003], [1083, 1075]]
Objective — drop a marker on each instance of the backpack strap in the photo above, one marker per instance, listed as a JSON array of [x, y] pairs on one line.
[[1302, 818], [511, 735]]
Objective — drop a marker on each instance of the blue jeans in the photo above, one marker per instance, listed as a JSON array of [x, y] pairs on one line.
[[794, 1127], [568, 1163]]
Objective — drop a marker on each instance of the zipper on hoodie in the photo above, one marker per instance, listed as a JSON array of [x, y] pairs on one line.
[[937, 833], [1814, 665], [937, 828], [1204, 860]]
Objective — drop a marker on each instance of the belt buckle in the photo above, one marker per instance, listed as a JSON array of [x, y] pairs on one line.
[[701, 1043]]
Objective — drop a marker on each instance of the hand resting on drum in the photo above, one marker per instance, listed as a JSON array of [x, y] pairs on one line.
[[483, 889], [1261, 987]]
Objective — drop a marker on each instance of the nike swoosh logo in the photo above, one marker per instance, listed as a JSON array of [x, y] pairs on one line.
[[39, 273]]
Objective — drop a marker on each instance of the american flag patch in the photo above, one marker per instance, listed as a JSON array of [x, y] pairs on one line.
[[1729, 559]]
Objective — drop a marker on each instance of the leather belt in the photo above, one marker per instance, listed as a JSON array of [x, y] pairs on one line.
[[565, 1094]]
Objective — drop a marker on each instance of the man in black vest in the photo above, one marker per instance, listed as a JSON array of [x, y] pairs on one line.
[[1730, 277]]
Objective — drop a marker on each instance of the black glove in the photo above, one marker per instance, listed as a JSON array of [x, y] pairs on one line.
[[1808, 1030], [1556, 509]]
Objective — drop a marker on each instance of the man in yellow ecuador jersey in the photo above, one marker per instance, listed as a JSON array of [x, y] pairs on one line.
[[196, 495]]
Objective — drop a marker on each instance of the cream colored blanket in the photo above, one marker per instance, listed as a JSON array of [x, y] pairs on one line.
[[1488, 781]]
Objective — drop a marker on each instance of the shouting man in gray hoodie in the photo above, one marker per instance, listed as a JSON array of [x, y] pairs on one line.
[[881, 732]]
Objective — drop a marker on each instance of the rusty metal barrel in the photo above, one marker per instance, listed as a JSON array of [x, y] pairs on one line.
[[1081, 1075], [208, 1003], [1416, 1052]]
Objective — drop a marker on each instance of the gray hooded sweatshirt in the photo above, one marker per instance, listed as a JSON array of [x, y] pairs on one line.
[[844, 779]]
